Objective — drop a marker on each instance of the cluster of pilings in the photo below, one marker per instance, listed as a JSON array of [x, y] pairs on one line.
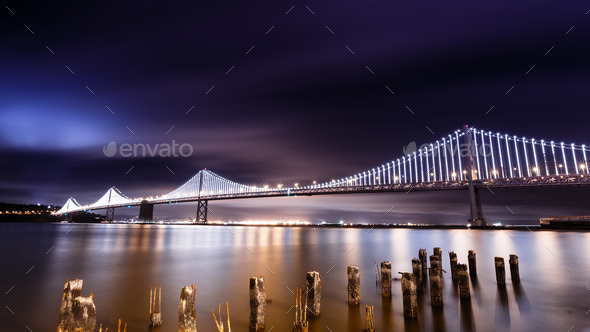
[[460, 275], [423, 276], [78, 314]]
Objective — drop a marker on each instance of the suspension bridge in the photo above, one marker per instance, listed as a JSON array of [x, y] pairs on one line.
[[468, 159]]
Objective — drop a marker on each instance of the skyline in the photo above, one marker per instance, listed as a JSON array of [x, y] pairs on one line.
[[325, 92]]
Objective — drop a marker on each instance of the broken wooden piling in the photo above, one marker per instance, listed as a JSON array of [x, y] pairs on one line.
[[369, 319], [219, 324], [314, 293], [417, 272], [453, 263], [500, 271], [438, 251], [301, 324], [257, 303], [386, 279], [187, 315], [463, 279], [155, 315], [472, 264], [436, 286], [354, 284], [76, 313], [119, 327], [514, 272], [410, 297]]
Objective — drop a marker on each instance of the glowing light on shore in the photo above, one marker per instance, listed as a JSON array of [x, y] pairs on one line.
[[263, 223]]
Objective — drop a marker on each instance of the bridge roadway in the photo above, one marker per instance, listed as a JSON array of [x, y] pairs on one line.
[[540, 181]]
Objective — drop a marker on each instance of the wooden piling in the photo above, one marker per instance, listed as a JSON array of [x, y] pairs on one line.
[[369, 319], [500, 271], [257, 303], [472, 264], [514, 272], [436, 286], [301, 324], [76, 312], [423, 256], [155, 315], [453, 263], [410, 297], [354, 284], [386, 279], [187, 315], [417, 272], [463, 278], [314, 293]]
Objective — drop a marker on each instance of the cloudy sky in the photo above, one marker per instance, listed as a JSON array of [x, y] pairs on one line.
[[283, 92]]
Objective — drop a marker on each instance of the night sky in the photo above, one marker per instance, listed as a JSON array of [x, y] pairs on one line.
[[284, 92]]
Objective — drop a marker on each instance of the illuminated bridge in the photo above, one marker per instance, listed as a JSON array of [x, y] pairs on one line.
[[469, 159]]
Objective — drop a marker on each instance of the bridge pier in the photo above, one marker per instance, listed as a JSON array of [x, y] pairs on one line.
[[202, 207], [110, 215], [69, 217], [146, 211], [475, 212]]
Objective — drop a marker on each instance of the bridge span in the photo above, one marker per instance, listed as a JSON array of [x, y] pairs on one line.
[[468, 159]]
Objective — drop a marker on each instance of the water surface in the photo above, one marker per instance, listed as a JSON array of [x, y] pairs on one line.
[[119, 263]]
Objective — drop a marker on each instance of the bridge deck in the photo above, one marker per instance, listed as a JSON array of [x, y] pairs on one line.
[[563, 180]]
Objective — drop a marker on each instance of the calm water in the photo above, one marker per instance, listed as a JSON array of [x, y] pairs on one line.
[[120, 262]]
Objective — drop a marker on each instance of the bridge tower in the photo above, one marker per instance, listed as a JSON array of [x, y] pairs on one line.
[[475, 212], [110, 215], [202, 205]]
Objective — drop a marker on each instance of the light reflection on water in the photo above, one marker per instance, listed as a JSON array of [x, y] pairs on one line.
[[120, 262]]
